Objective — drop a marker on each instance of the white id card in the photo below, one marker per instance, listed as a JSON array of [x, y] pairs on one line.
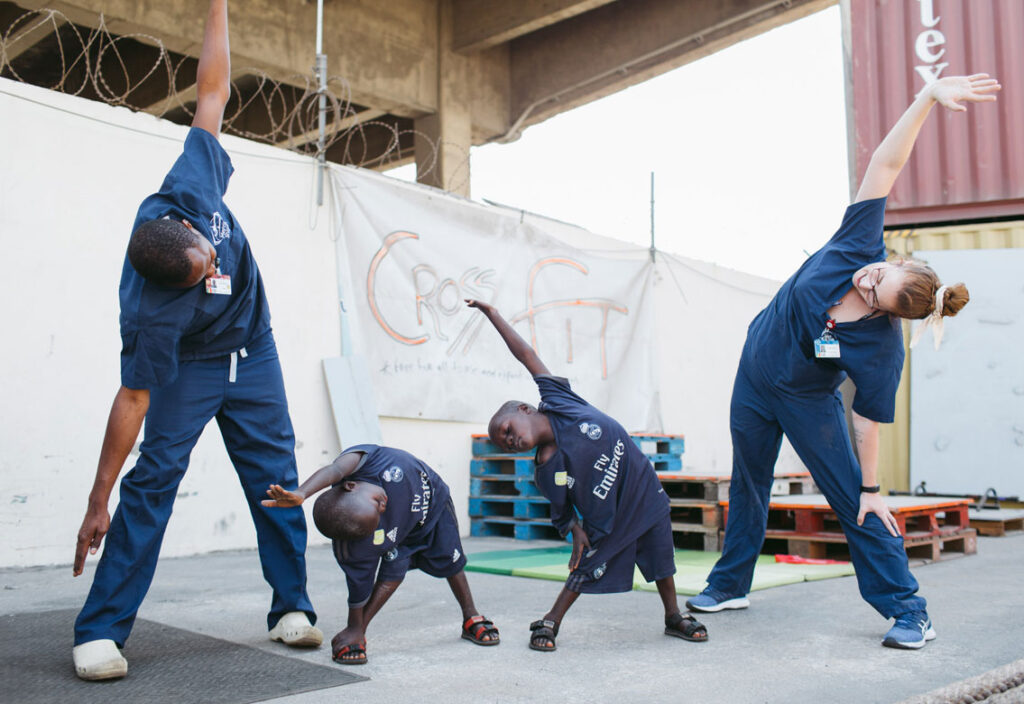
[[826, 348], [219, 284]]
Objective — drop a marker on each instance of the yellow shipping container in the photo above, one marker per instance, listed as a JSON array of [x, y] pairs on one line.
[[894, 450]]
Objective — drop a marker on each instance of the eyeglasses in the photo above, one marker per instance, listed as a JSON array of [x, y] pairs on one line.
[[874, 291]]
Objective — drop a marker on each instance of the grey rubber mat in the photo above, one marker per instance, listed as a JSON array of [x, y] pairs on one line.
[[165, 664]]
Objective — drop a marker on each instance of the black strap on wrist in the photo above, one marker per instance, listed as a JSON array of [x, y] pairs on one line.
[[870, 489]]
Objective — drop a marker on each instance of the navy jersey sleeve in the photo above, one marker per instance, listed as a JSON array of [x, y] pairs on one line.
[[359, 576], [861, 229], [552, 480], [149, 356], [557, 396]]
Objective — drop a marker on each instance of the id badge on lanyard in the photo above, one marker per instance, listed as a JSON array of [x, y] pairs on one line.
[[219, 284], [827, 346]]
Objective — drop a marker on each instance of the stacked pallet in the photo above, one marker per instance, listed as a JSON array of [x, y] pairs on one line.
[[697, 502], [504, 501], [932, 529]]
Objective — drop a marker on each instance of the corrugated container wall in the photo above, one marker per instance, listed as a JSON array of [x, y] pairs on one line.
[[966, 166]]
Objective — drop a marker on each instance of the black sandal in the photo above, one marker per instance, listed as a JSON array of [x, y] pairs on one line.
[[477, 627], [540, 631], [686, 627]]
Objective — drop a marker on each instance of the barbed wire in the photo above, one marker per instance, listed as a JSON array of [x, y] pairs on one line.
[[283, 110]]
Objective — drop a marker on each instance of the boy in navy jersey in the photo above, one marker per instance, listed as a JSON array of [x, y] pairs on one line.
[[601, 487], [386, 512]]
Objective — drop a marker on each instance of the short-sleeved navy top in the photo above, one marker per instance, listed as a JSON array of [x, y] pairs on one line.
[[161, 326], [781, 338], [597, 470], [416, 498]]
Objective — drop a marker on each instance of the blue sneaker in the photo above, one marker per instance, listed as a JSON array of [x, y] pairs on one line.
[[711, 600], [910, 632]]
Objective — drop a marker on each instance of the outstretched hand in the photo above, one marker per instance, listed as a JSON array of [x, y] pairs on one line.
[[282, 498], [977, 88], [874, 503], [482, 306]]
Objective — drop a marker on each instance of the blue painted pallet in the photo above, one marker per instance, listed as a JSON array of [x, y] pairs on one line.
[[518, 467], [660, 444], [509, 506], [667, 463], [502, 485], [513, 528]]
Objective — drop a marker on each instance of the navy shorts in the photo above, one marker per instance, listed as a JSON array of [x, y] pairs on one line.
[[653, 552], [437, 552]]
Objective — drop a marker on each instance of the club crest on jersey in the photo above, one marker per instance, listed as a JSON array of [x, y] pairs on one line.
[[391, 554], [394, 474], [219, 228], [600, 570], [591, 430], [393, 534]]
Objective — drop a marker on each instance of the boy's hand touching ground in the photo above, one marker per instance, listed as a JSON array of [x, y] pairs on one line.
[[282, 498]]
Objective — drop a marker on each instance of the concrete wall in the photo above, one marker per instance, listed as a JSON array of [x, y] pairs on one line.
[[73, 174]]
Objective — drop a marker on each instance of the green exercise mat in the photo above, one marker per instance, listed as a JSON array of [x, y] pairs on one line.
[[692, 568]]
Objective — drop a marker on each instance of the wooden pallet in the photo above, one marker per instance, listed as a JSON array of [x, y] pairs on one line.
[[716, 489], [919, 546], [502, 485], [497, 466], [811, 515], [996, 522], [520, 529], [509, 507]]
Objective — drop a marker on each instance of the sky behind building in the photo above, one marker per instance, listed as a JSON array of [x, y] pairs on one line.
[[748, 147]]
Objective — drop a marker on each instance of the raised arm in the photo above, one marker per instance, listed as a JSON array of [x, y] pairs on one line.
[[516, 344], [123, 424], [322, 478], [891, 155], [213, 77]]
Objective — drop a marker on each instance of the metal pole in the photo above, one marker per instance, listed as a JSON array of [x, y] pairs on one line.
[[653, 250], [321, 85]]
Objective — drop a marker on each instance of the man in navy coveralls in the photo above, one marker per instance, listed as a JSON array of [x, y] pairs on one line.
[[196, 345], [602, 488]]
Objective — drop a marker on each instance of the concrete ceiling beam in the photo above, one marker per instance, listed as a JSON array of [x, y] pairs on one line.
[[624, 43], [481, 24]]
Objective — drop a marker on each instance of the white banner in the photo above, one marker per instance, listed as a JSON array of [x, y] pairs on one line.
[[414, 253]]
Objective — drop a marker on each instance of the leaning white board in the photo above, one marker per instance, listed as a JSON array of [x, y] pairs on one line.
[[355, 411], [967, 399]]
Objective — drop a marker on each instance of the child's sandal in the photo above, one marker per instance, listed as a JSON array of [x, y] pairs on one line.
[[685, 626], [356, 649], [481, 631], [542, 632]]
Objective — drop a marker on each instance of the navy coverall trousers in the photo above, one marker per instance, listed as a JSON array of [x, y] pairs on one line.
[[252, 413], [816, 427]]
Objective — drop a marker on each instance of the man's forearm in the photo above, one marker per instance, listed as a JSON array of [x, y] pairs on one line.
[[123, 425], [213, 75], [865, 432]]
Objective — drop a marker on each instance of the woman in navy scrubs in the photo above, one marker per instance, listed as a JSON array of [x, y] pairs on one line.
[[838, 315]]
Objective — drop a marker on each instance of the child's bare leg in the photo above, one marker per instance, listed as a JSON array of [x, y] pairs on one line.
[[482, 631], [566, 598], [460, 588], [677, 624], [667, 592], [359, 618]]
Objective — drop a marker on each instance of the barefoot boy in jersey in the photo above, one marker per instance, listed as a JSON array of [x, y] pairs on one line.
[[386, 512], [587, 463]]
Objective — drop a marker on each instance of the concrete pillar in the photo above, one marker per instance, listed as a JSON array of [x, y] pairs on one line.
[[443, 138]]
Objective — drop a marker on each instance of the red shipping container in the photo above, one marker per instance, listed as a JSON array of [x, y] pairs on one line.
[[966, 166]]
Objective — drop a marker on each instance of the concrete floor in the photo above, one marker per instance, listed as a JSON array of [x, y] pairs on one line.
[[810, 642]]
